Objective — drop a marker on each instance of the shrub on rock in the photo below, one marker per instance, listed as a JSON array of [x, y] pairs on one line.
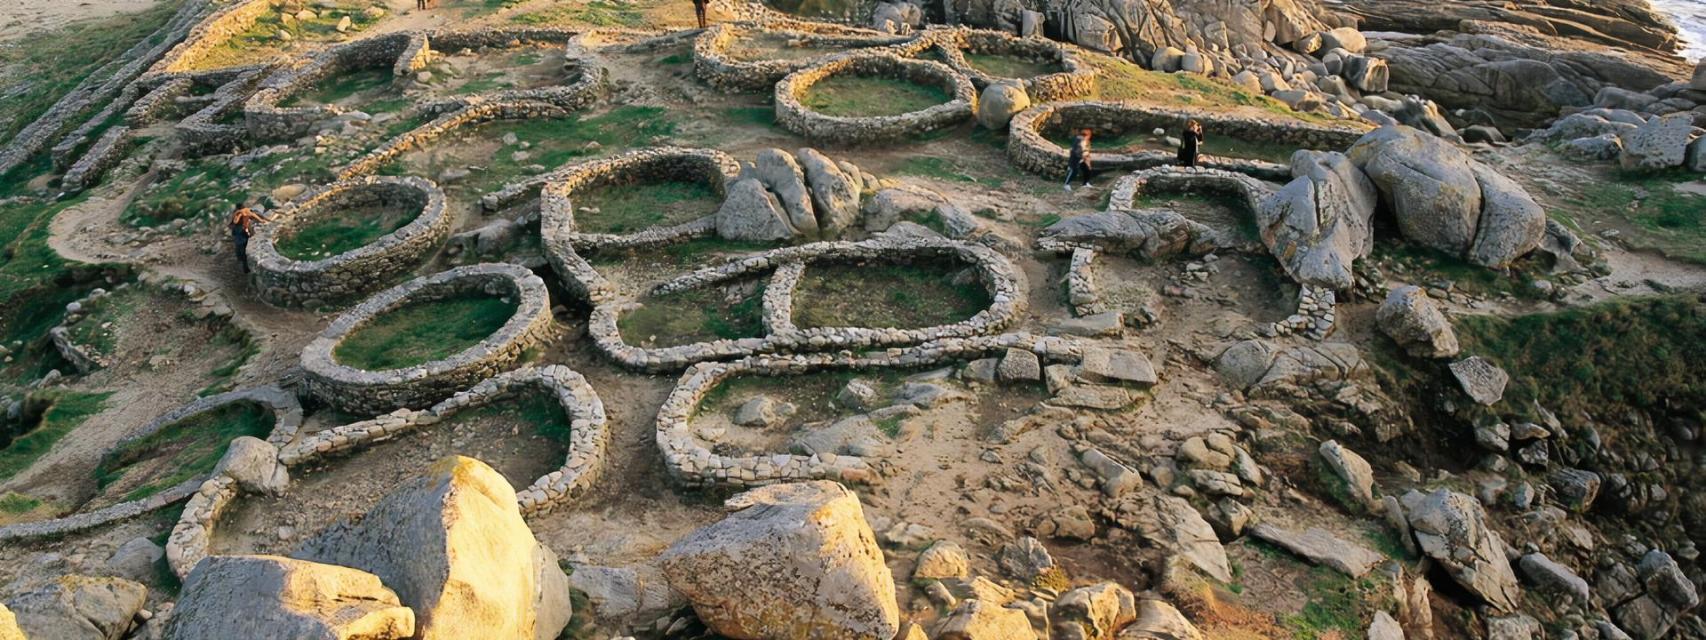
[[789, 561], [452, 544]]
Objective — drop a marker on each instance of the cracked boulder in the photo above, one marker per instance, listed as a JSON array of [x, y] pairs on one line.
[[1448, 201], [79, 608], [1318, 224], [1414, 321], [451, 543], [285, 598], [1452, 529], [788, 561]]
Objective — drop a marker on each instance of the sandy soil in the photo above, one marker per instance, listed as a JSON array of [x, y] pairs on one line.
[[23, 17]]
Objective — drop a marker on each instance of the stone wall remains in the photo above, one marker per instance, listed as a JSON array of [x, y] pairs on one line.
[[284, 281], [373, 392], [794, 116], [713, 64], [1074, 80]]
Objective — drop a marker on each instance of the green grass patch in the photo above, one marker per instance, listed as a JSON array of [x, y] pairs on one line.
[[597, 13], [1647, 353], [854, 96], [180, 451], [637, 207], [695, 315], [485, 83], [676, 58], [46, 69], [535, 408], [14, 503], [945, 169], [556, 142], [1337, 607], [343, 86], [209, 188], [812, 394], [345, 230], [1663, 218], [68, 410], [423, 332], [1006, 66], [760, 116], [905, 296], [98, 328], [261, 41], [224, 375], [1120, 80]]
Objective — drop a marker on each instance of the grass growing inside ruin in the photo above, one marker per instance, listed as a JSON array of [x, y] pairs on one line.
[[346, 230], [1006, 66], [209, 188], [597, 13], [342, 87], [181, 451], [774, 46], [905, 296], [1663, 217], [847, 95], [811, 393], [42, 70], [694, 315], [1213, 145], [637, 207], [555, 142], [423, 332], [695, 253], [68, 411], [539, 409], [1644, 352]]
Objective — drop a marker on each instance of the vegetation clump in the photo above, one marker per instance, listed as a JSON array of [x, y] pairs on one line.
[[902, 296], [67, 410], [637, 207], [422, 332], [343, 231], [1006, 66], [848, 95]]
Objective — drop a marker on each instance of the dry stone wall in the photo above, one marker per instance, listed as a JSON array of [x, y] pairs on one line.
[[268, 122], [283, 281], [1029, 147], [645, 166], [794, 116], [372, 392], [1074, 80], [713, 64], [287, 419]]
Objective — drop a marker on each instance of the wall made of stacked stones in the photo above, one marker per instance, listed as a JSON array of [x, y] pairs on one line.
[[213, 33], [284, 281], [373, 392], [420, 136], [1074, 80], [1029, 147], [269, 122], [202, 132], [106, 153], [794, 116], [159, 103], [646, 166], [713, 65]]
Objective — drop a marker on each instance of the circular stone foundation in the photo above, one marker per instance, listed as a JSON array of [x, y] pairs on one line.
[[792, 114], [715, 60], [285, 281], [369, 392], [1029, 146], [704, 167]]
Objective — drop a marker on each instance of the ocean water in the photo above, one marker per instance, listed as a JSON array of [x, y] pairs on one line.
[[1690, 18]]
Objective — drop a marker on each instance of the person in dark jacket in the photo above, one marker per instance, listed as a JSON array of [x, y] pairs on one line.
[[242, 228], [1190, 144], [1078, 162], [699, 11]]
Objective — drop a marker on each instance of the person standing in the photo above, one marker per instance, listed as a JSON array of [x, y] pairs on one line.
[[1078, 162], [699, 11], [1190, 144], [242, 228]]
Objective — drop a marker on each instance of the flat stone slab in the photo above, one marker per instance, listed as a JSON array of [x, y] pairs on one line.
[[1089, 396], [1321, 547], [1117, 366], [1482, 380]]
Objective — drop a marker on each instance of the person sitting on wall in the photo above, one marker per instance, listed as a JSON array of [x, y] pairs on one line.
[[1078, 163], [1190, 144], [242, 228]]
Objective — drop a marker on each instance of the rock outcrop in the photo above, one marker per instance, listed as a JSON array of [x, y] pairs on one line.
[[1446, 200], [1452, 529], [789, 561], [79, 608], [451, 543], [1414, 321], [1150, 234], [1318, 224], [284, 598]]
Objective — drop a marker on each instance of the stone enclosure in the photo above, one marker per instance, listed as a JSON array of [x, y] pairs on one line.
[[284, 281]]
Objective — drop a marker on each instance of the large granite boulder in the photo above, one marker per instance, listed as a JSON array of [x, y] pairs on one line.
[[1318, 224], [1096, 612], [254, 464], [1665, 594], [835, 195], [1158, 620], [751, 213], [789, 561], [980, 620], [1483, 381], [9, 625], [452, 544], [285, 598], [1661, 143], [782, 175], [1452, 529], [999, 103], [1149, 234], [1446, 200], [1414, 321], [79, 608]]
